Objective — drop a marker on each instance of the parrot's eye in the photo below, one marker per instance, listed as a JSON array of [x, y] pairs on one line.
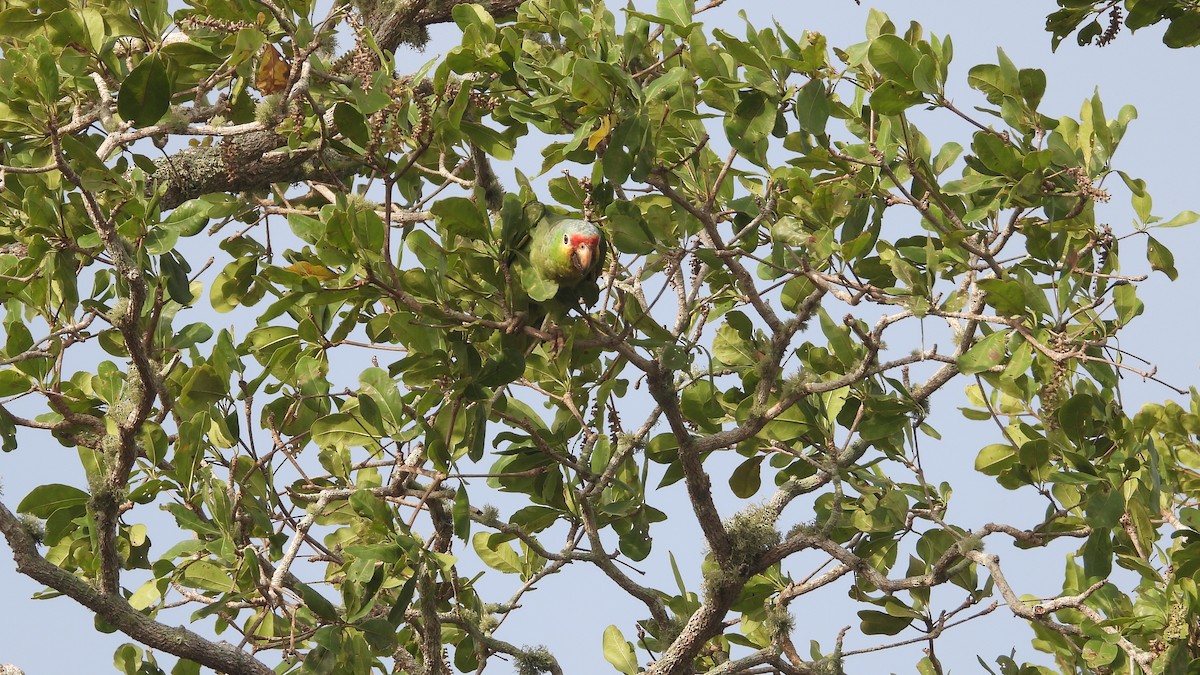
[[566, 240]]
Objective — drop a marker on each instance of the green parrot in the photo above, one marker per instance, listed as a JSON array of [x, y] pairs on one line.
[[566, 252], [557, 258]]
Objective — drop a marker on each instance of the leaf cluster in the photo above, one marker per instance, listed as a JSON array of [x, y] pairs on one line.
[[780, 229]]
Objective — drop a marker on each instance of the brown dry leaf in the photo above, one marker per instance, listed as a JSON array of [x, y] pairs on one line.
[[272, 75]]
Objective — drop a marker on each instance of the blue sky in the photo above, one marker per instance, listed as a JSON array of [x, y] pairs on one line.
[[55, 636]]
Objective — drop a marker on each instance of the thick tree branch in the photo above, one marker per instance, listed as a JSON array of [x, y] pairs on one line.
[[700, 627], [240, 164], [699, 485], [220, 656], [257, 159], [141, 382]]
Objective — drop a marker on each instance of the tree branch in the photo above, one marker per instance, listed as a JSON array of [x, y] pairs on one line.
[[247, 162], [1041, 612], [220, 656]]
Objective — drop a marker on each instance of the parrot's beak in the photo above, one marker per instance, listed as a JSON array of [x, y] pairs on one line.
[[583, 254]]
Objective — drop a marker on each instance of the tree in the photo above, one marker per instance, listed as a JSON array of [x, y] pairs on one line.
[[1084, 17], [794, 274]]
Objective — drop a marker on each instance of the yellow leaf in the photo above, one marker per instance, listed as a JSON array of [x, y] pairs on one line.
[[272, 74], [307, 269], [600, 134]]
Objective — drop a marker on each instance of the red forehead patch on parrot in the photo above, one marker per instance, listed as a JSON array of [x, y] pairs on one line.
[[578, 240]]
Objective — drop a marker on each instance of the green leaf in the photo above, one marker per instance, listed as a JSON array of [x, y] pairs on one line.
[[618, 652], [317, 602], [44, 500], [733, 345], [503, 368], [343, 430], [891, 98], [1098, 554], [1161, 259], [489, 140], [48, 78], [926, 76], [1098, 651], [676, 12], [145, 94], [495, 552], [698, 402], [894, 58], [588, 84], [994, 81], [204, 386], [372, 553], [985, 353], [1183, 31], [205, 575], [379, 634], [630, 233], [403, 600], [748, 126], [471, 17], [1180, 219], [20, 23], [160, 240], [995, 458], [667, 85], [128, 659], [995, 156], [462, 217], [352, 124], [13, 381], [1126, 302], [1104, 507], [82, 26], [812, 107], [881, 623], [82, 155], [371, 507], [1006, 295], [878, 23], [745, 479], [1033, 85], [178, 286], [462, 513]]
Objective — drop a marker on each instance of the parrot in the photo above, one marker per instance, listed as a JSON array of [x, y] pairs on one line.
[[566, 252], [557, 258]]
